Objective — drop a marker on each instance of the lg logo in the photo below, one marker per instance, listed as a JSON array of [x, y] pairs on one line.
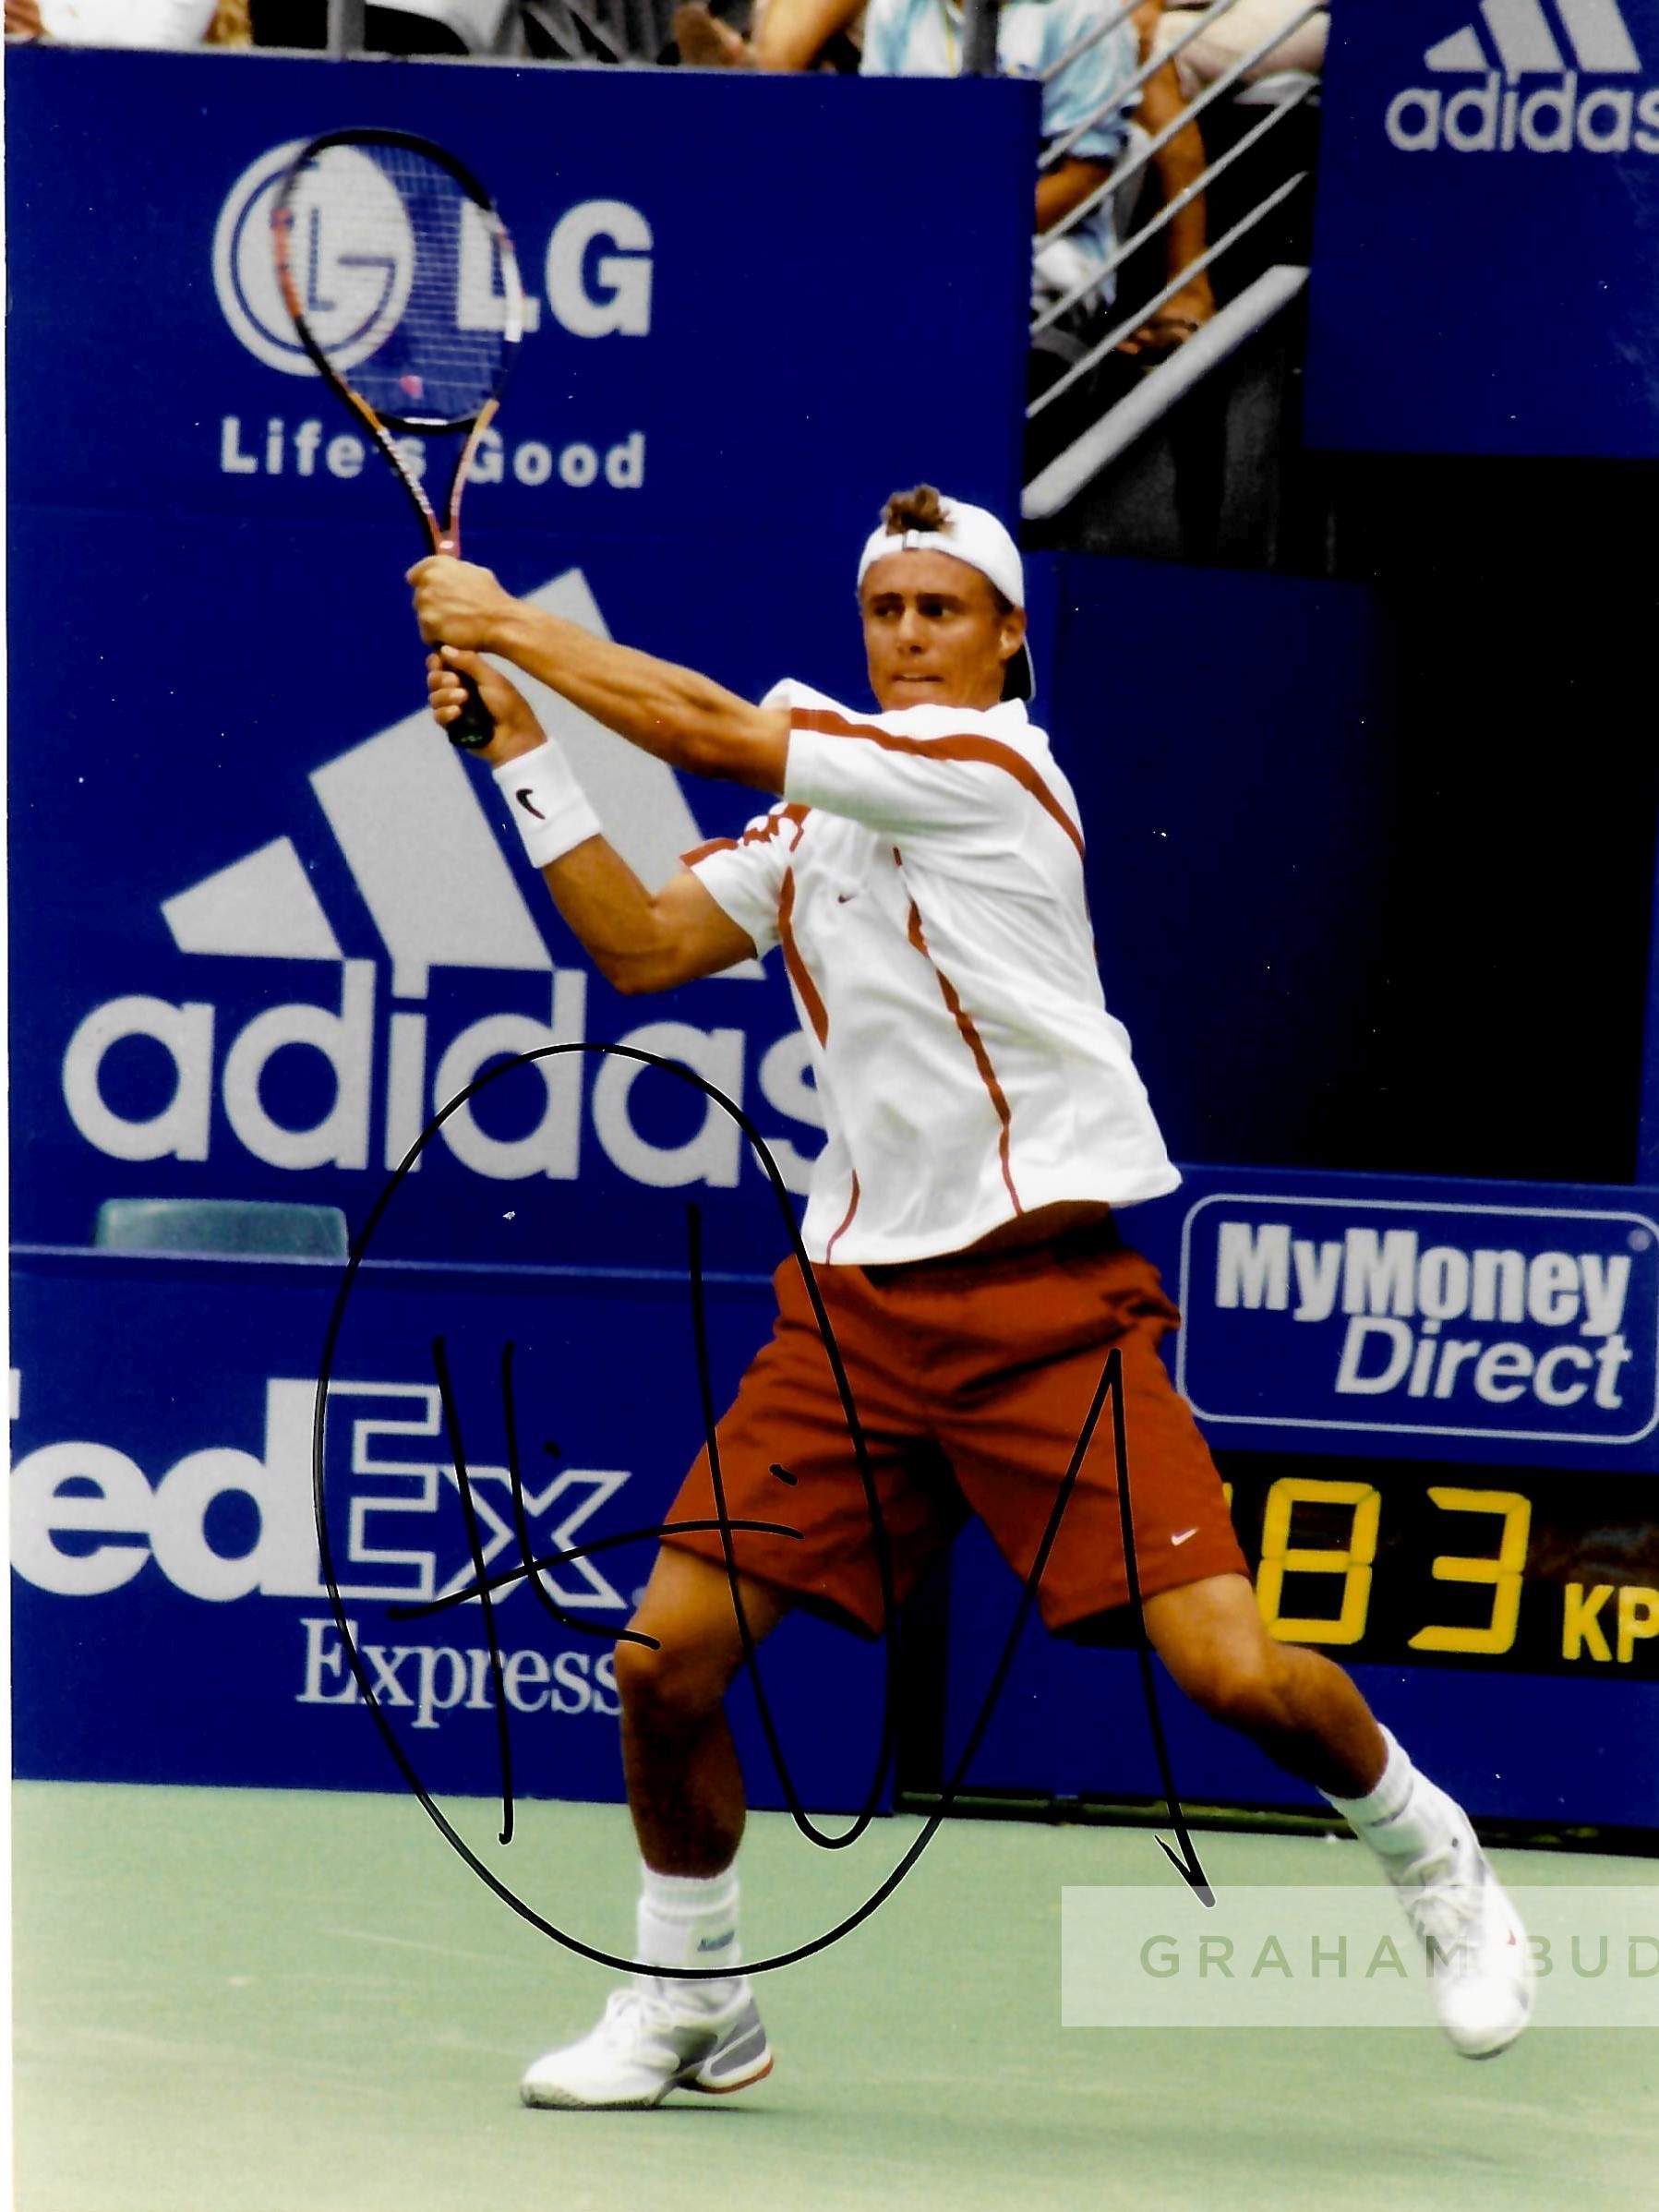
[[597, 270]]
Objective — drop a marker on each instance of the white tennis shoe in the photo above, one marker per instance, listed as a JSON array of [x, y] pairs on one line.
[[1483, 1976], [643, 2047]]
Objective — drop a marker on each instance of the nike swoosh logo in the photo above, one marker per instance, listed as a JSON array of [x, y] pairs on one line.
[[524, 801], [842, 897], [1183, 1535]]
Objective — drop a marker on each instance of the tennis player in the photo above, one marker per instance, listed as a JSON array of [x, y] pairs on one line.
[[922, 876]]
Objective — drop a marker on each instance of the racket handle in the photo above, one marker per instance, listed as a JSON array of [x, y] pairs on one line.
[[474, 725]]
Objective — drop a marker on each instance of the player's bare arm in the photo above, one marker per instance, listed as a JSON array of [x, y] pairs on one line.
[[941, 600], [670, 711], [640, 941]]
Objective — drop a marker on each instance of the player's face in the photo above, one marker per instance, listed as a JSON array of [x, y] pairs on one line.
[[934, 633]]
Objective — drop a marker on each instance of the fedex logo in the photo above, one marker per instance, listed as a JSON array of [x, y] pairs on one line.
[[395, 1525]]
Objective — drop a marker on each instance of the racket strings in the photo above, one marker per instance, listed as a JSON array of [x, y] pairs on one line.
[[406, 282]]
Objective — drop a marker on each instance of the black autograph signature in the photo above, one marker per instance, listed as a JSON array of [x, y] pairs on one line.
[[484, 1586]]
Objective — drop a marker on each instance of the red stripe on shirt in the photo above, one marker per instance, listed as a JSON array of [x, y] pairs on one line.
[[976, 1045], [758, 833], [990, 751], [701, 852], [806, 990], [845, 1221]]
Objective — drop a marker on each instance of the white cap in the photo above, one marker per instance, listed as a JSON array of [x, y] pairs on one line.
[[973, 534]]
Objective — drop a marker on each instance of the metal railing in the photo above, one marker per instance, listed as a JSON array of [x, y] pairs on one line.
[[1116, 336], [636, 30], [1142, 76], [979, 36], [1059, 482], [1091, 37], [579, 27], [1297, 92], [1138, 159], [617, 31]]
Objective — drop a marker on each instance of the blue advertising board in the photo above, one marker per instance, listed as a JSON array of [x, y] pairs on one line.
[[174, 1619], [273, 924], [1488, 230], [268, 921], [269, 924], [272, 921], [172, 1612], [1434, 1405], [1402, 1322], [1552, 1751]]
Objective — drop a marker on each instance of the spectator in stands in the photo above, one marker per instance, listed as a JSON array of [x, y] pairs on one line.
[[1090, 97], [783, 35], [1229, 36], [130, 23], [805, 34], [1177, 165]]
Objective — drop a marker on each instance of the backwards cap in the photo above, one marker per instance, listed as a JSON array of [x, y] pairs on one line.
[[973, 534]]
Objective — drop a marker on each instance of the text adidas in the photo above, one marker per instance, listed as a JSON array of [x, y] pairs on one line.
[[1552, 117], [576, 1089]]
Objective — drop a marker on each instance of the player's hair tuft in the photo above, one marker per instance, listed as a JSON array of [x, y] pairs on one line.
[[921, 507]]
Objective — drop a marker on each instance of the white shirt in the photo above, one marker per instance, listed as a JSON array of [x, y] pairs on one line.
[[923, 874], [127, 23]]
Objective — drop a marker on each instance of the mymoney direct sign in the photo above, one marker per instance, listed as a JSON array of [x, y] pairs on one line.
[[1529, 1325], [1488, 201]]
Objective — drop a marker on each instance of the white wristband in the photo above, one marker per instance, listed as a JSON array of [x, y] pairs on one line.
[[548, 803]]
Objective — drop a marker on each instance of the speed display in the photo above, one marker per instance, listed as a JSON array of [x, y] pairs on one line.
[[1530, 1569]]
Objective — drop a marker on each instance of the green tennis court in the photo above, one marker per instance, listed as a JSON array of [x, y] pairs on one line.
[[264, 2001]]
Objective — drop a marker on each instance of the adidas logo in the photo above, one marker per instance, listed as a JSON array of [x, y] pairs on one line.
[[1517, 40], [409, 825]]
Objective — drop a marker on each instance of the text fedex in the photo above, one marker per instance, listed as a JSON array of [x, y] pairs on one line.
[[86, 1519]]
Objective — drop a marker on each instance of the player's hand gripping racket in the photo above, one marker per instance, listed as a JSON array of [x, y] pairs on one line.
[[405, 290]]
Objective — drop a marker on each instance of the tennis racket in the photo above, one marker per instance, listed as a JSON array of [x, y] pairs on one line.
[[405, 290]]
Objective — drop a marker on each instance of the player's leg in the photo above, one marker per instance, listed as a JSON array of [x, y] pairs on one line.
[[792, 1491], [685, 1790], [1035, 1360], [1303, 1710], [1308, 1716]]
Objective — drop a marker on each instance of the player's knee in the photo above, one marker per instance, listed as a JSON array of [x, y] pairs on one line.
[[670, 1689], [1240, 1692]]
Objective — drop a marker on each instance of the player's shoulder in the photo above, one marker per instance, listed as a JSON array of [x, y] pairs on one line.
[[794, 697], [930, 728], [1006, 723]]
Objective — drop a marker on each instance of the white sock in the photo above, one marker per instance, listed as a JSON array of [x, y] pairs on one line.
[[691, 1920], [1405, 1817]]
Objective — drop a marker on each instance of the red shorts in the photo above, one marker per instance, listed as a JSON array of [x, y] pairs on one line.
[[972, 1380]]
